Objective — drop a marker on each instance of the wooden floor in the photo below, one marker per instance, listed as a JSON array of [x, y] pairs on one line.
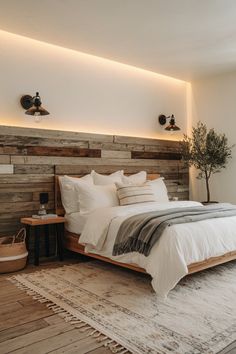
[[28, 327]]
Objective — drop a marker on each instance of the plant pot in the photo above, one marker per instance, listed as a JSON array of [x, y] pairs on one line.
[[209, 203]]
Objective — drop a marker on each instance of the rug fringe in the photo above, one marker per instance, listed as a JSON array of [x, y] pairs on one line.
[[83, 327]]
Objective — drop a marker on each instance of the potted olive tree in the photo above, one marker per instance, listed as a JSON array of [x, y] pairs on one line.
[[207, 151]]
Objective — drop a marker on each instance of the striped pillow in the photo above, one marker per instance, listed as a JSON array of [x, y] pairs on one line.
[[134, 193]]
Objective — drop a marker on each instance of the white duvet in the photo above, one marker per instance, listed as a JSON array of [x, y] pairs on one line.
[[179, 246]]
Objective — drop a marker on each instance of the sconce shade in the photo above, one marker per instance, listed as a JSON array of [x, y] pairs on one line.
[[37, 111], [33, 105], [172, 126]]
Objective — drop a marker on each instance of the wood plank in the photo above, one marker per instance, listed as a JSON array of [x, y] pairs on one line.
[[20, 330], [10, 218], [24, 315], [107, 146], [22, 206], [162, 148], [39, 335], [4, 309], [55, 134], [8, 289], [62, 151], [12, 150], [20, 142], [113, 154], [33, 222], [51, 343], [144, 141], [27, 301], [56, 160], [136, 147], [5, 159], [155, 155], [26, 187], [15, 197], [12, 297], [82, 346], [4, 281], [116, 146], [53, 319], [34, 169], [6, 169], [32, 178]]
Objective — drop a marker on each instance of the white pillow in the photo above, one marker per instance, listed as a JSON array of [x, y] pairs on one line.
[[69, 198], [134, 193], [92, 197], [159, 190], [137, 178], [104, 179]]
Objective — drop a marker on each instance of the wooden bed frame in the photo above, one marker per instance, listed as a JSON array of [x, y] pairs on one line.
[[71, 241]]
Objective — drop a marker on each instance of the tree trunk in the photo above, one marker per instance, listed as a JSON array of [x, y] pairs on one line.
[[208, 189]]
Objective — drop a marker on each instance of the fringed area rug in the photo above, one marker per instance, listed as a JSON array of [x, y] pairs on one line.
[[120, 308]]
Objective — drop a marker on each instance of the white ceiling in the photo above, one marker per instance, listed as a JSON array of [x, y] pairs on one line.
[[185, 39]]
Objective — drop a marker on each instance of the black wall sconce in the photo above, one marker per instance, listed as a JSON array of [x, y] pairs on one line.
[[172, 126], [33, 106]]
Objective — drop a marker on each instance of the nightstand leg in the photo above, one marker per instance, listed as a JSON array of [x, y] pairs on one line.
[[46, 231], [27, 239], [36, 245], [60, 234]]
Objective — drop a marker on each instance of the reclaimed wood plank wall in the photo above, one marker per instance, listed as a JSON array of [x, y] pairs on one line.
[[30, 158]]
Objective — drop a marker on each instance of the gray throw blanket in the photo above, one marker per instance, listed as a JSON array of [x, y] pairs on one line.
[[140, 232]]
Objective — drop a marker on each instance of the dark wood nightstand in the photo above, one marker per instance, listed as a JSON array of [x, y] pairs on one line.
[[37, 225]]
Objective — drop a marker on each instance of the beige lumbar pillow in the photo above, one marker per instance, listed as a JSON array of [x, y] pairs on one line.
[[134, 193]]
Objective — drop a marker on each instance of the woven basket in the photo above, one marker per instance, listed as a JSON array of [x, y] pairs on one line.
[[13, 252]]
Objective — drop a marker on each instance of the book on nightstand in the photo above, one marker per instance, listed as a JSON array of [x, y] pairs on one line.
[[45, 217]]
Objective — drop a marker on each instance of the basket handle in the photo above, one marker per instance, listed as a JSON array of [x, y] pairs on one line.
[[20, 235]]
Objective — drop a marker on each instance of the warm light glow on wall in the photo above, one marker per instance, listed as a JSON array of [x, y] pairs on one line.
[[189, 107], [87, 56], [86, 93]]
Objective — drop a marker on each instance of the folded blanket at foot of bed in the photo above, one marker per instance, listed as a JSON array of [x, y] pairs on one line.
[[140, 232]]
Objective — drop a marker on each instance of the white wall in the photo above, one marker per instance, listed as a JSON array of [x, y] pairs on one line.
[[214, 103], [84, 92]]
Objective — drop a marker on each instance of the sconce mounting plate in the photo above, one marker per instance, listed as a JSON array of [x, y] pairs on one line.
[[162, 119], [26, 101]]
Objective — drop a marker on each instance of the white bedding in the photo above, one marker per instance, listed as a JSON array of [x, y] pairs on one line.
[[179, 246], [75, 222]]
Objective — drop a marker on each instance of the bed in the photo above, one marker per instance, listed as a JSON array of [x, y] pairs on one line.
[[226, 251]]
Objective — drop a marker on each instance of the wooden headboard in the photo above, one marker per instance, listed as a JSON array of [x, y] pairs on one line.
[[58, 204]]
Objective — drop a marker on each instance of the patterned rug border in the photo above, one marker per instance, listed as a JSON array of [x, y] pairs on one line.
[[108, 340]]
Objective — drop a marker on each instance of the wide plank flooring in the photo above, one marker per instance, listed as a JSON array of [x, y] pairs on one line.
[[29, 327]]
